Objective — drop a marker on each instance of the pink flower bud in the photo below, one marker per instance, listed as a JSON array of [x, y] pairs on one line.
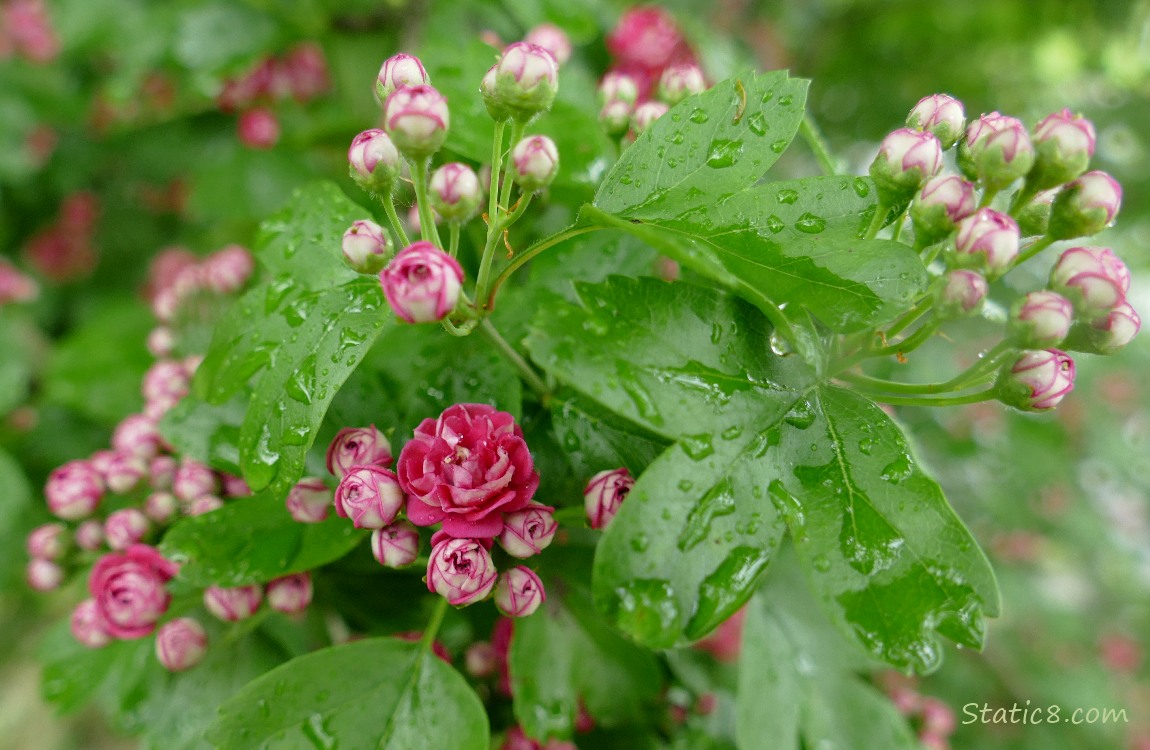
[[74, 490], [16, 286], [987, 240], [646, 114], [235, 486], [455, 192], [47, 542], [137, 435], [416, 118], [1038, 380], [1041, 319], [1114, 330], [129, 590], [467, 469], [906, 159], [306, 71], [1063, 144], [193, 479], [422, 283], [527, 532], [161, 507], [519, 592], [100, 461], [647, 37], [162, 470], [125, 527], [203, 504], [615, 117], [161, 342], [228, 269], [937, 717], [535, 161], [551, 38], [87, 627], [370, 496], [617, 86], [480, 660], [400, 70], [943, 201], [726, 643], [258, 128], [526, 80], [366, 247], [234, 604], [357, 446], [181, 644], [373, 161], [395, 545], [90, 535], [290, 594], [461, 571], [961, 293], [1093, 278], [604, 493], [165, 383], [309, 501], [680, 81], [44, 575], [124, 471], [941, 115], [997, 150], [1085, 207]]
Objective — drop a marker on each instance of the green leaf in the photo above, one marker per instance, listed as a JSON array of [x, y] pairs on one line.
[[15, 501], [881, 546], [209, 433], [74, 674], [253, 540], [564, 655], [707, 148], [212, 36], [379, 693], [595, 439], [16, 367]]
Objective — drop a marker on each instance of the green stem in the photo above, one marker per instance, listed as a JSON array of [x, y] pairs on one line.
[[433, 625], [524, 202], [573, 515], [517, 129], [1034, 249], [496, 168], [968, 398], [1023, 197], [393, 217], [988, 197], [818, 144], [880, 212], [909, 317], [932, 252], [427, 228], [898, 225], [524, 257], [525, 370], [453, 239]]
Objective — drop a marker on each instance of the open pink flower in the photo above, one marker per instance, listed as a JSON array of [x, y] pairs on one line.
[[129, 591], [467, 468]]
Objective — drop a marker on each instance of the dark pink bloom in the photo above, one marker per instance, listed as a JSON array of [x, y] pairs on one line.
[[129, 590], [306, 71], [181, 644], [258, 128], [461, 571], [647, 37], [467, 468], [604, 493], [357, 446]]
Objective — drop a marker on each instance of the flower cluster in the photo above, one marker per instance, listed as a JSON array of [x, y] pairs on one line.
[[934, 719], [1084, 307], [66, 250]]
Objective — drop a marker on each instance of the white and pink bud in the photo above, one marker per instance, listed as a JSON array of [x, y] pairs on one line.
[[306, 71], [228, 269], [290, 594], [165, 383], [47, 542], [88, 627], [74, 490], [679, 81], [181, 644], [646, 114], [16, 286], [1040, 320], [942, 202], [534, 162], [422, 283], [193, 479], [137, 435], [357, 446], [125, 527], [906, 159], [43, 575], [551, 38], [617, 86], [417, 119], [366, 247], [526, 80], [370, 496], [987, 240], [1109, 333], [233, 604], [940, 114], [1093, 278], [615, 117], [161, 342], [519, 592], [1085, 206], [373, 161], [234, 486], [480, 660], [1037, 381], [997, 150], [124, 472], [529, 531], [603, 495], [203, 504], [161, 471], [398, 71], [258, 128], [161, 507], [309, 501], [90, 535], [461, 571], [1063, 145], [960, 293], [455, 192], [395, 545]]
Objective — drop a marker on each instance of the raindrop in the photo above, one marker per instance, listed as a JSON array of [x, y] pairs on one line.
[[639, 542], [719, 501], [775, 224], [758, 124], [788, 197], [808, 223], [780, 145], [862, 189], [699, 116], [697, 447], [724, 153]]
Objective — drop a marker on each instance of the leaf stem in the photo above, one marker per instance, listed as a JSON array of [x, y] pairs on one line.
[[393, 217], [524, 257], [525, 370], [427, 229], [432, 629], [880, 212], [813, 135]]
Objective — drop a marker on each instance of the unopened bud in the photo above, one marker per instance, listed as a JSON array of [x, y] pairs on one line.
[[74, 490], [258, 128], [455, 192], [1093, 278], [373, 161], [416, 118], [399, 70], [370, 496], [961, 293], [125, 527], [461, 571], [88, 626], [997, 150], [615, 117], [290, 594], [1040, 320], [646, 114], [519, 592], [395, 545], [1037, 381], [422, 283], [535, 162], [603, 495], [529, 531], [161, 507], [357, 446], [987, 240], [90, 535], [1085, 206], [551, 38], [1107, 334], [526, 80], [44, 575], [617, 86], [233, 604], [309, 501], [47, 542], [680, 81], [181, 644], [1063, 145], [906, 159], [366, 247], [941, 115], [943, 201]]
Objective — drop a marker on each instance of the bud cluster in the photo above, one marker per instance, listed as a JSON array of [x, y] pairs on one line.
[[66, 249]]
